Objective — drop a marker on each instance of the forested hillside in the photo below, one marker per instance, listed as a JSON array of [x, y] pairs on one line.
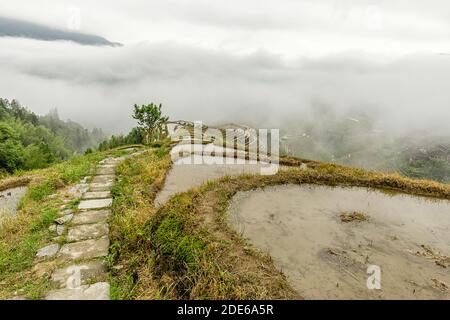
[[135, 136], [358, 139], [29, 141]]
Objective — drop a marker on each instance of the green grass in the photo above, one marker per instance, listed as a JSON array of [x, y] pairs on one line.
[[139, 180], [186, 250], [212, 270], [21, 236], [182, 250], [195, 256], [45, 219], [169, 253]]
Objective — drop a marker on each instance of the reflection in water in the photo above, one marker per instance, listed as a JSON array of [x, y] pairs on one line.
[[407, 237], [183, 177]]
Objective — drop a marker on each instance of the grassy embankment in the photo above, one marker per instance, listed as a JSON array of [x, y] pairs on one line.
[[185, 249], [23, 234]]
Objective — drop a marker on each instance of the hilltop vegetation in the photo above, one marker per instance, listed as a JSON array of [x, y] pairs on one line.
[[151, 127], [29, 141], [430, 160], [135, 136], [355, 138]]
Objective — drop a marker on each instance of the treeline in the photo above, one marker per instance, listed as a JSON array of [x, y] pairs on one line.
[[135, 136], [75, 136], [152, 126], [29, 141], [429, 160]]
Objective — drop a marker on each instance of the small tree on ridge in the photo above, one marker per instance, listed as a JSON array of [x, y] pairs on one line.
[[151, 120]]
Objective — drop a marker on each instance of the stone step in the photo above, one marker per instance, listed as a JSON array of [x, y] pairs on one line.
[[60, 229], [64, 219], [103, 179], [87, 249], [95, 187], [106, 165], [65, 212], [106, 170], [97, 195], [96, 291], [95, 204], [76, 275], [87, 231], [88, 237], [93, 216], [48, 251]]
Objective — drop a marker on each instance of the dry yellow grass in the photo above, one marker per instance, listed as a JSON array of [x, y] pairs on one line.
[[13, 182], [354, 216]]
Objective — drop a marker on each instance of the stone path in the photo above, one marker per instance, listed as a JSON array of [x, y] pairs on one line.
[[81, 272]]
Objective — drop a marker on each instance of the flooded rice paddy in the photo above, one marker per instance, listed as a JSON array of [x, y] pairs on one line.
[[326, 256], [9, 200], [184, 176]]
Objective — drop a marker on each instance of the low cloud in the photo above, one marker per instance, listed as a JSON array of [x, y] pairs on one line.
[[23, 29], [98, 85]]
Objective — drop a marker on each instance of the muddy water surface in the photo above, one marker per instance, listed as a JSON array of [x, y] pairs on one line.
[[184, 176], [407, 237], [9, 199]]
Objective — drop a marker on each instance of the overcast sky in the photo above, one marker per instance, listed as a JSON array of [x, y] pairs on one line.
[[246, 60]]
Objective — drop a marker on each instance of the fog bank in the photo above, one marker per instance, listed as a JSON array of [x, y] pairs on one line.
[[98, 86]]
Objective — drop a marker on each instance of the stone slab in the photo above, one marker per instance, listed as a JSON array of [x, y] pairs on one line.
[[97, 195], [60, 229], [76, 275], [99, 189], [105, 160], [95, 204], [93, 216], [96, 291], [43, 269], [64, 219], [48, 251], [77, 190], [101, 184], [65, 212], [87, 231], [103, 179], [106, 170], [94, 187], [87, 249]]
